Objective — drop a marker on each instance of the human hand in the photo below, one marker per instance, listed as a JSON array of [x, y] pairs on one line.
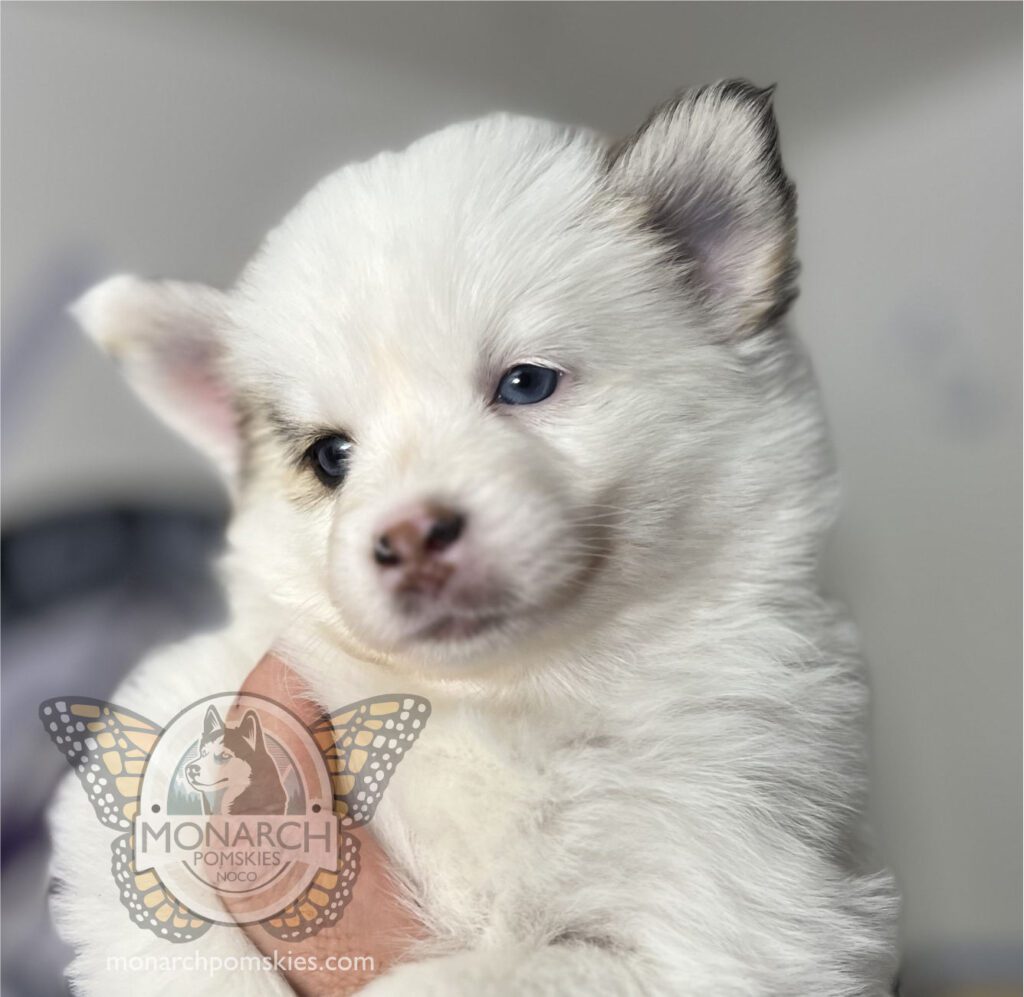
[[376, 927]]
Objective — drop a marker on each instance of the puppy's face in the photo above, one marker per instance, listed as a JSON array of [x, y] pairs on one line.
[[480, 396]]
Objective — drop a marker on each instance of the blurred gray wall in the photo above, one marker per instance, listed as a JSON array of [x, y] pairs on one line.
[[166, 139]]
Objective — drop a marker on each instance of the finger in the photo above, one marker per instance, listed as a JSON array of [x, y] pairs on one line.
[[274, 679]]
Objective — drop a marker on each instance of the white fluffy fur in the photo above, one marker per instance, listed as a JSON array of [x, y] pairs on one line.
[[650, 779]]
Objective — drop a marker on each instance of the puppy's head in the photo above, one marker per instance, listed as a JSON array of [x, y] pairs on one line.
[[479, 397]]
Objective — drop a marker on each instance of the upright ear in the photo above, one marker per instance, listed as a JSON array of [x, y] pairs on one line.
[[707, 167], [252, 730], [168, 338], [212, 721]]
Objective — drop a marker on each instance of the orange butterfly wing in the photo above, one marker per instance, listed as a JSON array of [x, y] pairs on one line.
[[362, 744], [108, 747], [149, 902]]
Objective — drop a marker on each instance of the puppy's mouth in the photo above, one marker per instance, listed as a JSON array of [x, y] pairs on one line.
[[490, 611], [456, 627], [453, 616]]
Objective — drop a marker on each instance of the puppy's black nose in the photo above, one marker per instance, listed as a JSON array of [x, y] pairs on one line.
[[418, 536], [192, 771]]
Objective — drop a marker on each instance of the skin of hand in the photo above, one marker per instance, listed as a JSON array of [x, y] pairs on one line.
[[375, 924]]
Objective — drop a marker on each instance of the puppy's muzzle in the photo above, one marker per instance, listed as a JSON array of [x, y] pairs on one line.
[[418, 551]]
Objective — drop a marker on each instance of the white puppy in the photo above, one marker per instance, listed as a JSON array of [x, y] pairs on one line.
[[512, 421]]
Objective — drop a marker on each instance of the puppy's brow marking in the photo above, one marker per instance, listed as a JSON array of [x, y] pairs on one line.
[[287, 429]]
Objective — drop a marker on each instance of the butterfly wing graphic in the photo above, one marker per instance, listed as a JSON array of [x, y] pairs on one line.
[[324, 900], [362, 744], [149, 902], [107, 746]]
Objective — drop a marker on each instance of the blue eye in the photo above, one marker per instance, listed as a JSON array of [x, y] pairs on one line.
[[527, 384], [329, 457]]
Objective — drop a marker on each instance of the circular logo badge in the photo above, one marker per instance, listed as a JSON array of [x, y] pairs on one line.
[[236, 812], [235, 809]]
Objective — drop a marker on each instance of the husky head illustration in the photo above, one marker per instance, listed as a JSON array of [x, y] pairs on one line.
[[234, 772]]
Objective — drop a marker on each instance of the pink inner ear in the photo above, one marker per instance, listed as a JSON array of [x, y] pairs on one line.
[[202, 400]]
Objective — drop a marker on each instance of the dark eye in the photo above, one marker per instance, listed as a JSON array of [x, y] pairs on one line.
[[329, 457], [527, 384]]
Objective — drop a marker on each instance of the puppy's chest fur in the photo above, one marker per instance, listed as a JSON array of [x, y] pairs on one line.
[[471, 787], [480, 814], [481, 817]]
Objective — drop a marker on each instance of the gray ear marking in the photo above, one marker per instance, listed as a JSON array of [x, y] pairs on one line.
[[707, 170]]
